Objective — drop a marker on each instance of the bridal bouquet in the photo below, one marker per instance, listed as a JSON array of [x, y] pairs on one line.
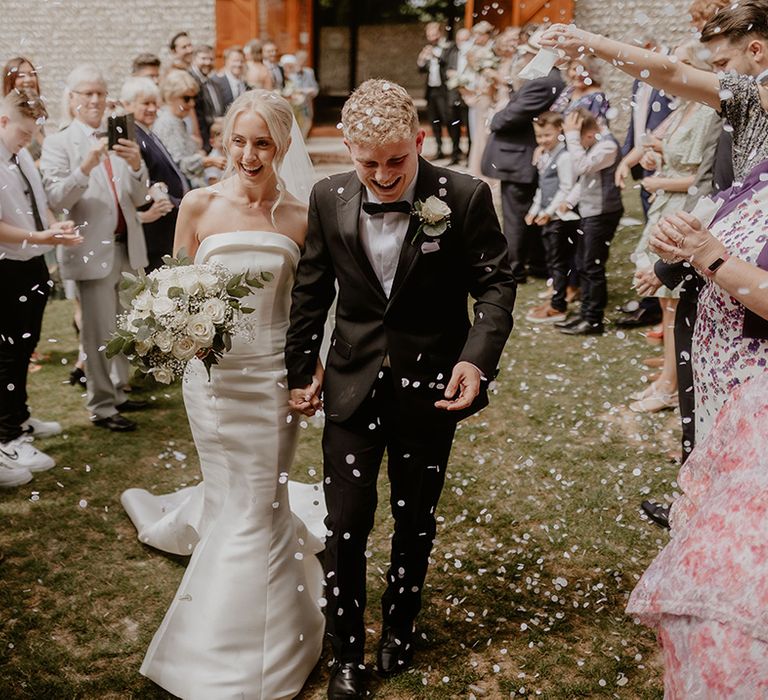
[[180, 311]]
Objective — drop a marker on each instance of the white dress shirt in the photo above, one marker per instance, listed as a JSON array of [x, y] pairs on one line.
[[383, 235], [15, 205]]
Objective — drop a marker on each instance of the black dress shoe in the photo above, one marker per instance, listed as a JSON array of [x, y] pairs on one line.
[[77, 378], [583, 328], [395, 653], [347, 681], [641, 317], [116, 423], [131, 405], [569, 322], [657, 512]]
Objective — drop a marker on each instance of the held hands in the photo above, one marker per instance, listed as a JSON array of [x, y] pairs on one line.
[[465, 379], [646, 283], [573, 123], [130, 152], [682, 236], [307, 399], [60, 233]]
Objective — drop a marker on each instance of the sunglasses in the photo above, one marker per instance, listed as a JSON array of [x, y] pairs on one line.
[[188, 98]]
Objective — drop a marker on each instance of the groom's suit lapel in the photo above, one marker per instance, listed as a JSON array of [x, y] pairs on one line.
[[426, 186], [348, 213]]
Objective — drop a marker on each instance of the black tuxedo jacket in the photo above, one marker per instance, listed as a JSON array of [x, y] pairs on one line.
[[424, 325], [444, 61], [225, 91], [205, 108], [508, 154], [159, 234]]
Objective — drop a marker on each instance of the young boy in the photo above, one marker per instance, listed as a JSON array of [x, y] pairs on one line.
[[595, 153], [556, 180], [25, 235], [212, 173]]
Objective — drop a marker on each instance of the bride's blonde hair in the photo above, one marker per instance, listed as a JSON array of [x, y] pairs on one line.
[[277, 115]]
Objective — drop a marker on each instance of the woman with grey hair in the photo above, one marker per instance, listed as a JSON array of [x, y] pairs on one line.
[[179, 91], [167, 183], [584, 90]]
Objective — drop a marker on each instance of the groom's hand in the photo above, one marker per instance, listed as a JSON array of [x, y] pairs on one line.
[[463, 388], [307, 400]]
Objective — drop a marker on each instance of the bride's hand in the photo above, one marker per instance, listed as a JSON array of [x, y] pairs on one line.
[[307, 399]]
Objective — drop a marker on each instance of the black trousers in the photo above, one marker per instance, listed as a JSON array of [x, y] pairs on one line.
[[459, 116], [592, 249], [685, 318], [24, 291], [438, 113], [559, 238], [524, 241], [417, 452]]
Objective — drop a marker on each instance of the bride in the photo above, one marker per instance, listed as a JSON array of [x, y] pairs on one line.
[[246, 619]]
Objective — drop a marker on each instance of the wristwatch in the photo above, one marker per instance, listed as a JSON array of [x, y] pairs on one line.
[[715, 266]]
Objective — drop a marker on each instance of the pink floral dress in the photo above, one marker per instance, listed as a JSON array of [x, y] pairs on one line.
[[707, 591], [722, 357]]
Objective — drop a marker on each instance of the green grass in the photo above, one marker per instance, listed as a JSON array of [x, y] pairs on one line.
[[542, 487]]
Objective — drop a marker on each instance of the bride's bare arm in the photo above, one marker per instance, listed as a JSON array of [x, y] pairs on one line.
[[190, 210], [662, 72]]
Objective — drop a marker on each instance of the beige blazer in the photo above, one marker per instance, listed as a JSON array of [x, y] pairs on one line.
[[90, 203]]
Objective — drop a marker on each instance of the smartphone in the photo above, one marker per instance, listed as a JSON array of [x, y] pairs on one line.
[[122, 126]]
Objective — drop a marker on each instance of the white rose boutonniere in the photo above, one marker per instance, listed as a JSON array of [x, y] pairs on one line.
[[435, 217]]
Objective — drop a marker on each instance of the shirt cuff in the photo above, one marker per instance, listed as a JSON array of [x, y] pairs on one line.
[[80, 177]]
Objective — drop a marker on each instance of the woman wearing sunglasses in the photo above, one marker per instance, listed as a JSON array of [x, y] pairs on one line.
[[179, 92]]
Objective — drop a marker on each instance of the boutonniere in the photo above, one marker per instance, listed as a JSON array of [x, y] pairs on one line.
[[434, 215]]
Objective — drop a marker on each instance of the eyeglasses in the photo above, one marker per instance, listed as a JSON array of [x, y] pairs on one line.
[[188, 98], [99, 94]]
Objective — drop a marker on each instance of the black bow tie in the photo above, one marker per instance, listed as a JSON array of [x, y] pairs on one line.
[[372, 208]]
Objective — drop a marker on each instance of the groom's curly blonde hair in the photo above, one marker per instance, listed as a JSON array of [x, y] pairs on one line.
[[379, 112]]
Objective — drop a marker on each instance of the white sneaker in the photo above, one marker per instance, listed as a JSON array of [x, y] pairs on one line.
[[13, 476], [41, 428], [20, 453]]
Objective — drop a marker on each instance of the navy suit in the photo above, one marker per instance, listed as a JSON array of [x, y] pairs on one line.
[[159, 234], [658, 111], [508, 156]]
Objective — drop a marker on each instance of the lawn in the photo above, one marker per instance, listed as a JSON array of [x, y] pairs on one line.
[[539, 542]]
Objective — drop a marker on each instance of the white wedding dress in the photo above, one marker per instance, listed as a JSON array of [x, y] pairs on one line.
[[246, 621]]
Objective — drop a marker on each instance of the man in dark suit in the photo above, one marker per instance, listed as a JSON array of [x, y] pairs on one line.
[[167, 184], [405, 362], [230, 81], [458, 112], [432, 62], [210, 104], [508, 157]]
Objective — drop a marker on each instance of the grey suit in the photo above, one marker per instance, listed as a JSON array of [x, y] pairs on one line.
[[97, 263]]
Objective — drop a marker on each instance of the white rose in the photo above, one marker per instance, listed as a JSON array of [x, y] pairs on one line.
[[143, 302], [189, 281], [164, 341], [162, 375], [163, 305], [434, 210], [201, 330], [143, 346], [184, 348], [209, 281], [179, 320], [215, 309]]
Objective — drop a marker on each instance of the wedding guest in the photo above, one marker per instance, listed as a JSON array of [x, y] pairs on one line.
[[179, 91], [432, 63], [555, 182], [457, 72], [212, 173], [209, 104], [270, 58], [300, 89], [308, 82], [595, 154], [508, 157], [27, 231], [146, 65], [167, 184], [257, 75], [704, 592], [584, 90], [678, 148], [482, 34], [100, 190], [230, 81], [180, 47], [19, 73]]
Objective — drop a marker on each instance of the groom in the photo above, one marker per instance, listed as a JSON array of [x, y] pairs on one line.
[[405, 364]]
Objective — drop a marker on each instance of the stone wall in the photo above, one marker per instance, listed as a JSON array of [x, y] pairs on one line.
[[59, 34]]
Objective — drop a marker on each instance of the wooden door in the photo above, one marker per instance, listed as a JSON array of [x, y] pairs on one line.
[[516, 13]]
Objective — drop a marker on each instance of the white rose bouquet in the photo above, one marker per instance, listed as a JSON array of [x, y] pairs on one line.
[[178, 312]]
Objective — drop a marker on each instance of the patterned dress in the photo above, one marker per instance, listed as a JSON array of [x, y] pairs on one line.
[[741, 108], [683, 143], [707, 591], [722, 357]]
